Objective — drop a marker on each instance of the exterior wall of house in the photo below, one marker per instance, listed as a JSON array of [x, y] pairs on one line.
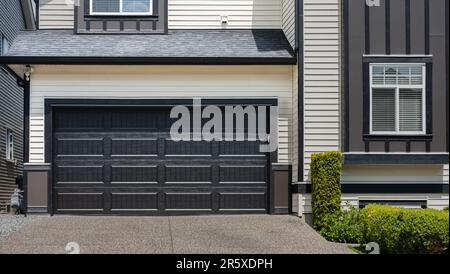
[[185, 14], [325, 111], [434, 201], [321, 78], [56, 14], [159, 82], [321, 91], [11, 103], [415, 30], [288, 19], [388, 175], [242, 14], [325, 122]]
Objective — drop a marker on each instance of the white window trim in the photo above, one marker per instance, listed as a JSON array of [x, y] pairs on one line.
[[150, 12], [9, 145], [396, 89]]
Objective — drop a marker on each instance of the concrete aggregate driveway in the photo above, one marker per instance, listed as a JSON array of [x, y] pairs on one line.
[[161, 235]]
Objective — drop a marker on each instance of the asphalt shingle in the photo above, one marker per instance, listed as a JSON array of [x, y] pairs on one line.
[[177, 43]]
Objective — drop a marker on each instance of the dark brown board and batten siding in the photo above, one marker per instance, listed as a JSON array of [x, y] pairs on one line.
[[11, 98], [416, 30], [85, 23]]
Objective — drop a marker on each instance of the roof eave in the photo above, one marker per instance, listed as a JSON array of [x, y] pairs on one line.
[[64, 60]]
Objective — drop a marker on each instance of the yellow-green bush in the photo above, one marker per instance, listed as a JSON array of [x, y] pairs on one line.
[[326, 169], [400, 230], [343, 226]]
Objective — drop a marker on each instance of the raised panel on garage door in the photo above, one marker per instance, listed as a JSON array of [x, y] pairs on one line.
[[121, 160]]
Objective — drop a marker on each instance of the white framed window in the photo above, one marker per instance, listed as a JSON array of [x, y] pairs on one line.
[[397, 99], [9, 145], [121, 7]]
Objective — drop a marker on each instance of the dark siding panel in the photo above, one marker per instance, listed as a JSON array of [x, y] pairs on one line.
[[11, 18], [397, 147], [356, 51], [377, 146], [413, 27], [11, 21], [398, 27], [377, 30], [447, 57], [418, 146], [417, 27], [437, 47]]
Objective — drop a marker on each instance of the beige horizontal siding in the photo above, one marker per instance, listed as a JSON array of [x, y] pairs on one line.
[[385, 174], [288, 19], [435, 201], [185, 14], [242, 14], [399, 174], [321, 78], [56, 14], [160, 82], [445, 173]]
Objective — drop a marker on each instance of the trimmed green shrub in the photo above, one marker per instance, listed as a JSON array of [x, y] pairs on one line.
[[343, 227], [402, 231], [326, 169]]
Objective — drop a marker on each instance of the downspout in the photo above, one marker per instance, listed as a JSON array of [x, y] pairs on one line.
[[26, 129], [300, 189], [25, 84], [300, 100], [26, 114], [28, 14]]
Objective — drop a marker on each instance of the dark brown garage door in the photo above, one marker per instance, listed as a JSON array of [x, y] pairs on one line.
[[122, 161]]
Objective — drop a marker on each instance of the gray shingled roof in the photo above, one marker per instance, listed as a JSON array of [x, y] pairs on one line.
[[179, 43]]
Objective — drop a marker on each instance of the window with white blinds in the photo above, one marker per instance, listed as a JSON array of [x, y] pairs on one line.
[[383, 110], [397, 96], [121, 7]]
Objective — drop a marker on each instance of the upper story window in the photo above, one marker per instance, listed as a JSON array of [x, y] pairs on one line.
[[121, 7], [397, 99], [9, 145]]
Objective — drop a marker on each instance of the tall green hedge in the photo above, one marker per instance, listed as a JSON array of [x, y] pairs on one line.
[[401, 231], [326, 169]]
